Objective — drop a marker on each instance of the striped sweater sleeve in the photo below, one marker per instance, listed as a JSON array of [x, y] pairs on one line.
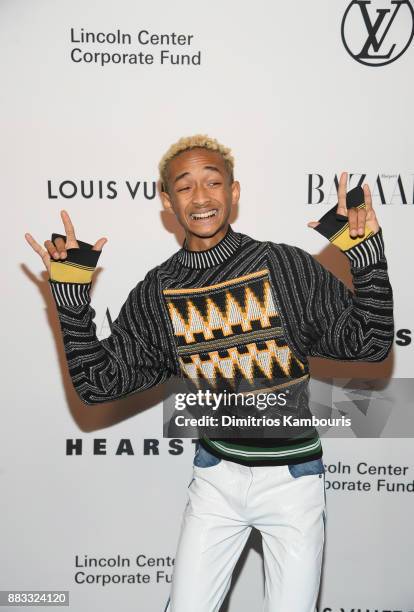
[[323, 318], [133, 358], [358, 325]]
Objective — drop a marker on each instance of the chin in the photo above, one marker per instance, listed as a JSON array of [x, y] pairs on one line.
[[205, 232]]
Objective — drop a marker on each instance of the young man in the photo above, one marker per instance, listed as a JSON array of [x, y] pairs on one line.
[[227, 307]]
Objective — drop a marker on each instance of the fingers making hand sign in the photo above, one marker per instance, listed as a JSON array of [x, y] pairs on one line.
[[359, 219], [58, 248]]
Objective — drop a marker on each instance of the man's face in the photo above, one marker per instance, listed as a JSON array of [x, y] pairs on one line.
[[200, 192]]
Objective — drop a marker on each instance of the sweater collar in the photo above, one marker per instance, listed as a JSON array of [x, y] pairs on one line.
[[211, 257]]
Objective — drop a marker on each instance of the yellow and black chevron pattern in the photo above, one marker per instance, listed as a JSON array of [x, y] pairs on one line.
[[231, 331]]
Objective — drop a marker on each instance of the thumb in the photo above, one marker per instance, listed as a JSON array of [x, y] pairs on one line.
[[313, 223], [99, 244]]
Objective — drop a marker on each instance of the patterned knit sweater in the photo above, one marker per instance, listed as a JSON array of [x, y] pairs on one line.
[[244, 308]]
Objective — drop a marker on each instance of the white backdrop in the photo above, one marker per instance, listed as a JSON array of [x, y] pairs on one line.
[[273, 81]]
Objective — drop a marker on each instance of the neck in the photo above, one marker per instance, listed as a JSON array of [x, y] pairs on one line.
[[201, 243]]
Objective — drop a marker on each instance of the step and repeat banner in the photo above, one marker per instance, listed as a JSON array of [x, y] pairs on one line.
[[93, 93]]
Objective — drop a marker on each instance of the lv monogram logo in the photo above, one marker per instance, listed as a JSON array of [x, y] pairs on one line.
[[382, 44]]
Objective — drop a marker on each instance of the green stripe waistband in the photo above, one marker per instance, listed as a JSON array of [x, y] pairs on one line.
[[248, 452]]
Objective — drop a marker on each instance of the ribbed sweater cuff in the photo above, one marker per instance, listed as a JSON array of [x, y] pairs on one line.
[[70, 294], [363, 250], [70, 278], [368, 252]]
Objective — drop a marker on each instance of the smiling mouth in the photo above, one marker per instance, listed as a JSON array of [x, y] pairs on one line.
[[206, 215]]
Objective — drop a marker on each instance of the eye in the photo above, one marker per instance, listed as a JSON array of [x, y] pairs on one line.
[[183, 189], [215, 183]]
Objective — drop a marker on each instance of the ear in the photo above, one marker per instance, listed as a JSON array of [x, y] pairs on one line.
[[235, 193], [166, 202]]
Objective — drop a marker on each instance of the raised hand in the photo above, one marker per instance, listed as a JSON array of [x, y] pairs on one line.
[[57, 249], [358, 218]]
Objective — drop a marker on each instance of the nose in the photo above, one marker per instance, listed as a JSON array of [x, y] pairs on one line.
[[200, 196]]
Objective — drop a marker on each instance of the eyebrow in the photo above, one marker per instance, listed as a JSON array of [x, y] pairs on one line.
[[183, 174]]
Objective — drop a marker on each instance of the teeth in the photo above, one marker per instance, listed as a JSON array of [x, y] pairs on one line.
[[210, 213]]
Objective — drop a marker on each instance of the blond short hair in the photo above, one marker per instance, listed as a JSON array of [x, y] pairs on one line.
[[191, 142]]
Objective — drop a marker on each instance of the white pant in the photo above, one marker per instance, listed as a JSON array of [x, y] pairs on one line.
[[225, 501]]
